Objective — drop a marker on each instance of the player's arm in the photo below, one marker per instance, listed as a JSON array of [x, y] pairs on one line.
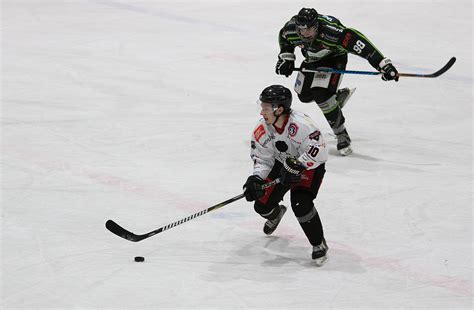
[[314, 149], [284, 41], [286, 57], [263, 161], [314, 154], [356, 43]]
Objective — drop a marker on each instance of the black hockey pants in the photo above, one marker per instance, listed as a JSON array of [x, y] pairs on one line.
[[302, 195], [322, 87]]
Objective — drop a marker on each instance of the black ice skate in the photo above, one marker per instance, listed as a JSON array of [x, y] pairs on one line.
[[319, 253], [343, 95], [344, 143], [271, 225]]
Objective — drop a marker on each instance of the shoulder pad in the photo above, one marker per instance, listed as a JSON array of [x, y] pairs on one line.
[[289, 33], [329, 19]]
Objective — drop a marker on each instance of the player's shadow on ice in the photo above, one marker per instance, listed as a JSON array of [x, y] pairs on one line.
[[335, 152], [260, 259], [283, 253]]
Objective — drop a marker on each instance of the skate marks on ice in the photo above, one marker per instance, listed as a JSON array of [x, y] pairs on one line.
[[283, 257], [148, 11]]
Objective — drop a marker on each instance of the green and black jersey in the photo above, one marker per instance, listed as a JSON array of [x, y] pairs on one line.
[[332, 39]]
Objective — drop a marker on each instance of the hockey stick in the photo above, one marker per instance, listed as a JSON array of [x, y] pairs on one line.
[[445, 68], [122, 232]]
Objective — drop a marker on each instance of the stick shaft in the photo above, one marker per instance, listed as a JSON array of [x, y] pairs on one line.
[[445, 68], [122, 232]]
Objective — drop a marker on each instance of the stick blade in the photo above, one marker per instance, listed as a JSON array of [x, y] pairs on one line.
[[445, 68], [121, 232]]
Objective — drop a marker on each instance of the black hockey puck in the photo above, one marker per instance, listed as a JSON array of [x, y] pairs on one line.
[[139, 258]]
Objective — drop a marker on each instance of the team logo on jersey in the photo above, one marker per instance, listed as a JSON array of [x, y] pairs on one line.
[[315, 135], [329, 37], [281, 146], [347, 38], [259, 132], [292, 129], [334, 28]]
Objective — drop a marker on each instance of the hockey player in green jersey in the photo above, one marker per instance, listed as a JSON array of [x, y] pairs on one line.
[[325, 43]]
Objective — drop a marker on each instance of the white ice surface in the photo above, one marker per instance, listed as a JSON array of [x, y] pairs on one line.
[[141, 112]]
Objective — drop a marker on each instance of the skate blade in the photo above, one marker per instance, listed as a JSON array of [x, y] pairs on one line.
[[345, 151], [319, 262], [267, 230], [351, 92]]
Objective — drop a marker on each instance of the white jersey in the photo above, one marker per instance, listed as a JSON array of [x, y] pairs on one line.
[[298, 138]]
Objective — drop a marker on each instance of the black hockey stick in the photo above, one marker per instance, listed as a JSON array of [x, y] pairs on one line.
[[122, 232], [445, 68]]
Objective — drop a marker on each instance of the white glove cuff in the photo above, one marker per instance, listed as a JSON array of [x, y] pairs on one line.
[[289, 169], [384, 62], [287, 56]]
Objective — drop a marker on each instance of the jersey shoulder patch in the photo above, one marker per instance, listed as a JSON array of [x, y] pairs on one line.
[[292, 129], [315, 135], [259, 132]]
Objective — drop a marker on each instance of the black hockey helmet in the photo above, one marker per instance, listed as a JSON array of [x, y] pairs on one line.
[[307, 18], [277, 96]]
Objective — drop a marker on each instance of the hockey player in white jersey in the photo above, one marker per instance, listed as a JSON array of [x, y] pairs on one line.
[[287, 145]]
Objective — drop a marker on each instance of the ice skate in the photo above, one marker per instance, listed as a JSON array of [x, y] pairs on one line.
[[271, 225], [344, 143], [343, 95], [319, 253]]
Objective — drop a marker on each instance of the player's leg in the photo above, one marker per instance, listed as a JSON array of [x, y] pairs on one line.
[[269, 206], [302, 197], [322, 87]]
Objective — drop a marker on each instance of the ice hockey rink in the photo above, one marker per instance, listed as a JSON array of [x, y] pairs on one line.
[[142, 111]]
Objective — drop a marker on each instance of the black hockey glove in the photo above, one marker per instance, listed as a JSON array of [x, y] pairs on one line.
[[389, 72], [291, 171], [253, 188], [285, 64]]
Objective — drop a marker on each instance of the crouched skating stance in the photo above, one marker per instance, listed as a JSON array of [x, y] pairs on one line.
[[287, 145], [325, 44]]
